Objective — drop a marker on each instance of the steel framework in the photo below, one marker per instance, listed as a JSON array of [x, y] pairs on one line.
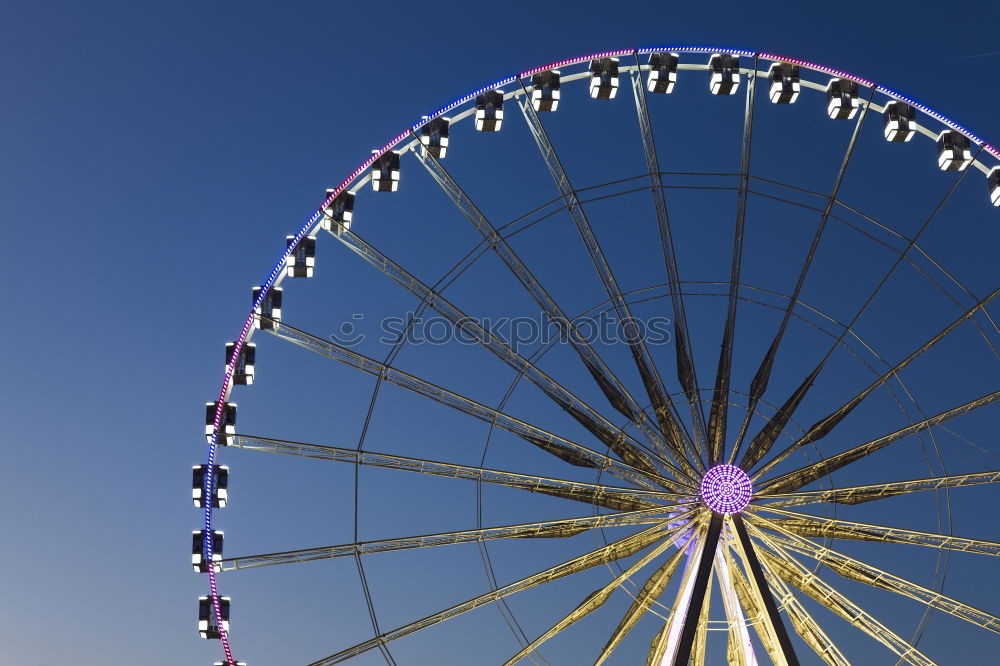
[[648, 467]]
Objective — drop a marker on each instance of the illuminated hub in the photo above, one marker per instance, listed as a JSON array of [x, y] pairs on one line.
[[726, 489]]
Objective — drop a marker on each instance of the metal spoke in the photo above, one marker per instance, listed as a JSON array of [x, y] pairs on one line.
[[800, 477], [614, 437], [612, 497], [775, 628], [664, 644], [545, 530], [824, 426], [804, 524], [597, 598], [805, 626], [789, 570], [739, 649], [720, 397], [916, 247], [768, 435], [614, 390], [671, 426], [755, 614], [650, 592], [861, 572], [860, 494], [686, 374], [571, 452], [603, 555], [763, 375]]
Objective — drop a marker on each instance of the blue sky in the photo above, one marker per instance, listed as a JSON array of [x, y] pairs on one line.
[[152, 159]]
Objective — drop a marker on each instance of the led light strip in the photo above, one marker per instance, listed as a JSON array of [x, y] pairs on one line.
[[890, 93], [314, 218]]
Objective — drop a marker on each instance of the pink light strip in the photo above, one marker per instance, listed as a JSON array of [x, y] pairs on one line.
[[269, 282], [574, 61], [820, 68]]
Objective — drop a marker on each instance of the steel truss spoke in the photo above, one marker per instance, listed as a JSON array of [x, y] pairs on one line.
[[597, 598], [611, 497], [649, 593], [739, 649], [860, 494], [763, 375], [783, 652], [686, 374], [664, 645], [804, 524], [617, 550], [755, 613], [720, 397], [571, 452], [800, 477], [805, 626], [612, 436], [670, 424], [547, 529], [824, 426], [613, 389], [793, 573], [861, 572], [774, 427]]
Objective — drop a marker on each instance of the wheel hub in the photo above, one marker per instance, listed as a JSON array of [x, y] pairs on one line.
[[726, 489]]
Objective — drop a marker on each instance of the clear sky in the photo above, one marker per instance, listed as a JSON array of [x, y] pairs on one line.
[[154, 156]]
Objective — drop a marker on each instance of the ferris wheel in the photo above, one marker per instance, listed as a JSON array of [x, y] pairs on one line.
[[757, 382]]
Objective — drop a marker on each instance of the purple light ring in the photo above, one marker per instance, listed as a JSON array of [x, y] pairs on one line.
[[308, 226], [726, 489]]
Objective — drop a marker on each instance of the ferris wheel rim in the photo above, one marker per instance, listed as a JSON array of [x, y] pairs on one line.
[[276, 275]]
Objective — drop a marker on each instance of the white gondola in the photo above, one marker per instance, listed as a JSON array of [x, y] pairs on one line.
[[301, 262], [434, 137], [842, 99], [208, 626], [954, 152], [198, 550], [269, 311], [223, 663], [899, 121], [662, 73], [604, 78], [385, 172], [243, 372], [220, 485], [339, 212], [545, 90], [785, 86], [227, 425], [725, 74], [489, 111], [993, 180]]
